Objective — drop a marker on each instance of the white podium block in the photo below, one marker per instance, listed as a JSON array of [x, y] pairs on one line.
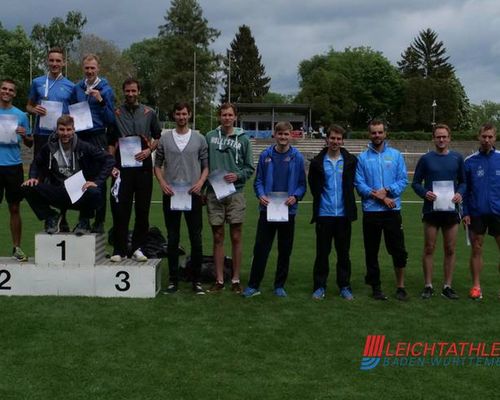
[[64, 249], [127, 279]]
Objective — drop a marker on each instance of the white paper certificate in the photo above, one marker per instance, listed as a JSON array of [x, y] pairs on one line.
[[74, 185], [221, 187], [54, 111], [129, 147], [82, 116], [277, 210], [444, 190], [8, 126], [181, 200]]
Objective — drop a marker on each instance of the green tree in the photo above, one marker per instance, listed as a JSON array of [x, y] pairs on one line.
[[185, 34], [278, 98], [249, 83], [59, 32], [428, 76], [145, 58], [15, 58], [352, 86], [487, 111], [426, 56]]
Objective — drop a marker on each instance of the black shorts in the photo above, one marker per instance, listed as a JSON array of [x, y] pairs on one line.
[[11, 179], [490, 222], [441, 219]]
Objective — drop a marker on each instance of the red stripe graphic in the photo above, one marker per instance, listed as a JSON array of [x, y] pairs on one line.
[[366, 352], [374, 346], [381, 346]]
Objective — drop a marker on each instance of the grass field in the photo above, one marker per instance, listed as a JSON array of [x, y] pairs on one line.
[[226, 347]]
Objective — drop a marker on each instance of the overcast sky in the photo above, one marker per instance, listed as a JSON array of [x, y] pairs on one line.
[[288, 31]]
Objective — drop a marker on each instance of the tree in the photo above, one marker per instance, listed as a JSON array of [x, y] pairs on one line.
[[278, 98], [428, 77], [426, 57], [145, 57], [59, 33], [487, 111], [352, 86], [184, 35], [15, 61], [249, 83]]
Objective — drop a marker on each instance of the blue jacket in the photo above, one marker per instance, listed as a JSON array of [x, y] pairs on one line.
[[482, 174], [377, 170], [263, 183], [103, 114]]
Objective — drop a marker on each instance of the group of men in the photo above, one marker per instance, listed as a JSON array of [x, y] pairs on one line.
[[121, 142]]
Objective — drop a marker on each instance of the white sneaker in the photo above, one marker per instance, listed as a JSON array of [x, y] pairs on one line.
[[115, 258], [139, 256]]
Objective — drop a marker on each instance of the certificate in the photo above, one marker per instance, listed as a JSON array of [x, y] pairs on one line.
[[277, 210], [74, 185], [129, 147], [444, 190], [54, 111], [181, 200], [81, 115], [8, 126], [221, 187]]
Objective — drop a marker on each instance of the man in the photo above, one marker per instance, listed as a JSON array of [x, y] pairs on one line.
[[101, 99], [441, 166], [380, 180], [229, 150], [280, 169], [183, 155], [60, 158], [11, 165], [482, 201], [133, 120], [331, 180], [54, 87]]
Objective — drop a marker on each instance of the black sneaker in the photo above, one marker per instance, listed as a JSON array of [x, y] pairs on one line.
[[82, 228], [378, 294], [449, 293], [401, 294], [171, 288], [98, 227], [198, 289], [63, 224], [52, 224], [427, 293]]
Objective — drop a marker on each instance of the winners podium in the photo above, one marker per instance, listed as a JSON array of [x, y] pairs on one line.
[[70, 265]]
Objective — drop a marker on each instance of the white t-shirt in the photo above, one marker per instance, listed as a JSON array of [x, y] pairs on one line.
[[181, 140]]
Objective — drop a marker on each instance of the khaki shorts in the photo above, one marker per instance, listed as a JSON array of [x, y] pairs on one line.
[[230, 209]]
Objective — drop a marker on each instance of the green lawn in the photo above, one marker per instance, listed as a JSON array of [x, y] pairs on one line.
[[223, 346]]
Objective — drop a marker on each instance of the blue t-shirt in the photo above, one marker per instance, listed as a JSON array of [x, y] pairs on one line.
[[58, 90], [10, 153], [332, 203], [280, 171]]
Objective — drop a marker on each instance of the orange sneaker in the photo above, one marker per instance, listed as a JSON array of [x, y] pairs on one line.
[[475, 293]]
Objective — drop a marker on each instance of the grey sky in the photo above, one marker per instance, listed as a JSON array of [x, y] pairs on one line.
[[288, 31]]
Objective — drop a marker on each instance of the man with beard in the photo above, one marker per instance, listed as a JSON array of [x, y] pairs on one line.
[[381, 178], [138, 122]]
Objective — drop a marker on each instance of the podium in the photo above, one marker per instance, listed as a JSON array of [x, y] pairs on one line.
[[70, 265]]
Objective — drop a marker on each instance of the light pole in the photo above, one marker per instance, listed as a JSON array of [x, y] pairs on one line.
[[229, 76], [434, 105]]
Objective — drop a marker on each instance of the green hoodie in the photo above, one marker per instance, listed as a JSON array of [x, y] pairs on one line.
[[231, 153]]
